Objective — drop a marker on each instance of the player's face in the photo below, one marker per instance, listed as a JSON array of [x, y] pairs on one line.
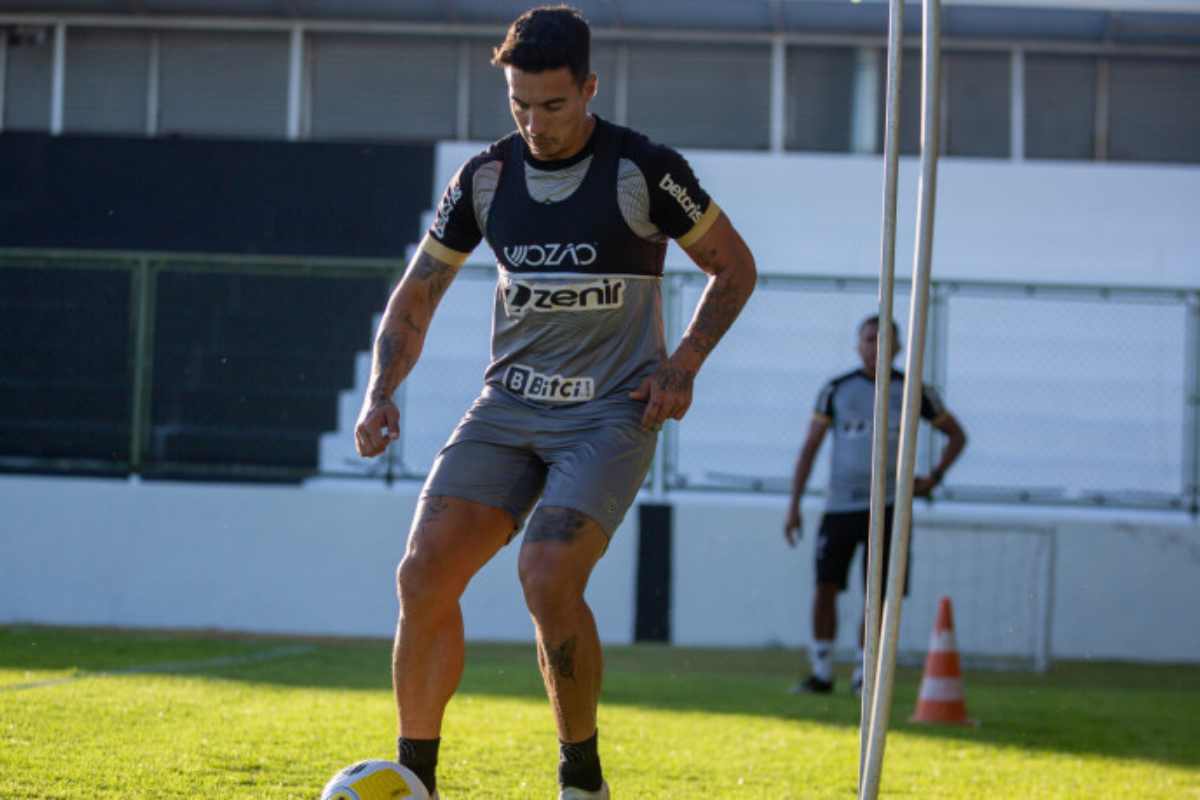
[[550, 109], [868, 347]]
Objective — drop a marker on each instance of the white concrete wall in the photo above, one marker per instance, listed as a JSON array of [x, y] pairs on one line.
[[321, 560], [316, 560]]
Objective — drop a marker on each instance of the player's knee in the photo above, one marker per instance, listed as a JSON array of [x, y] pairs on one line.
[[547, 591], [419, 585]]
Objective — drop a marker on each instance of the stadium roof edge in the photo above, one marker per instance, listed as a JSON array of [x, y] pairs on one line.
[[1107, 22]]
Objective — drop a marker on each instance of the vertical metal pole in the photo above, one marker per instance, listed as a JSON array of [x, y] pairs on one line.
[[462, 112], [141, 323], [1041, 658], [58, 80], [398, 451], [864, 120], [930, 107], [3, 78], [153, 77], [883, 374], [620, 89], [937, 354], [1016, 130], [778, 134], [664, 467], [295, 85], [1191, 439], [1102, 100]]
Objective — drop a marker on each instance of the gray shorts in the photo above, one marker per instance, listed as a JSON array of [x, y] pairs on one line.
[[592, 458]]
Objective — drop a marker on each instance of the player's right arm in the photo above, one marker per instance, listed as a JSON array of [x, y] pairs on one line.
[[450, 239], [399, 340], [793, 529]]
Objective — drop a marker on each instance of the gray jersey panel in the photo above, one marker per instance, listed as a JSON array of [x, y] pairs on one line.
[[849, 402], [565, 339]]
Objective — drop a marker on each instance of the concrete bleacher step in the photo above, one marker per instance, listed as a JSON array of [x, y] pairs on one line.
[[182, 365], [336, 453], [226, 446], [65, 439]]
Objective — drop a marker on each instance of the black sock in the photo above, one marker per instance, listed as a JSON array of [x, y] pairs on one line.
[[421, 756], [579, 765]]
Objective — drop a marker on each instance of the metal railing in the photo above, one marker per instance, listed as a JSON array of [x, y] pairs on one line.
[[1070, 395]]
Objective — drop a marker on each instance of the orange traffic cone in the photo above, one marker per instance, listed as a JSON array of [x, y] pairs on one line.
[[941, 700]]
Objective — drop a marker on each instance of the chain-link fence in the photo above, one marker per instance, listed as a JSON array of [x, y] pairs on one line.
[[1079, 395], [219, 368], [1075, 395]]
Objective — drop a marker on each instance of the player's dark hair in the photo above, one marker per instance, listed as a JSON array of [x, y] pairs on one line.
[[874, 320], [547, 38]]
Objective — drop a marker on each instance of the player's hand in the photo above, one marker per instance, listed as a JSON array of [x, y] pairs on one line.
[[793, 528], [923, 487], [668, 395], [378, 426]]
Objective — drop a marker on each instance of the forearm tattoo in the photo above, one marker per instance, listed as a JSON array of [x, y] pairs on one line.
[[674, 380], [391, 355], [400, 337], [719, 307]]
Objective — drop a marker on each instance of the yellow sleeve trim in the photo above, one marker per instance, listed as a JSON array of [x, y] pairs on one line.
[[701, 227], [436, 250], [821, 418]]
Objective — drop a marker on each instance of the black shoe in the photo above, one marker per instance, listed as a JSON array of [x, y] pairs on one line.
[[813, 685]]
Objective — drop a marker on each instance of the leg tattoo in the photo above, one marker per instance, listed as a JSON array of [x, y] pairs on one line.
[[556, 524], [561, 660]]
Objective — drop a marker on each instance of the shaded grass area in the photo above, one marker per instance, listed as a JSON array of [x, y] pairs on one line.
[[93, 713]]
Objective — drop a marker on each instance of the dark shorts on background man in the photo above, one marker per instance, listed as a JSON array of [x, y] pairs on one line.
[[839, 537]]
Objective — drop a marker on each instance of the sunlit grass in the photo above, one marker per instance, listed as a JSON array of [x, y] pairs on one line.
[[100, 714]]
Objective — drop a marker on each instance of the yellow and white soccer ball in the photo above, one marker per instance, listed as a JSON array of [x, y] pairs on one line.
[[374, 779]]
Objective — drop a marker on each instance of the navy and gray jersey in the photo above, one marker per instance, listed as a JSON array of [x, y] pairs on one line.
[[847, 405], [579, 247]]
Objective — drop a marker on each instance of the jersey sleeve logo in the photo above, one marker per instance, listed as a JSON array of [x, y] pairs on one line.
[[524, 297], [679, 192], [445, 208]]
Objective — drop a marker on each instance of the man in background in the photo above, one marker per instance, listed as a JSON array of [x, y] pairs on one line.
[[846, 405]]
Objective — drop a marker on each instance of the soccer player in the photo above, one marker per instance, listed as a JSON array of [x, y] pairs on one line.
[[846, 405], [578, 212]]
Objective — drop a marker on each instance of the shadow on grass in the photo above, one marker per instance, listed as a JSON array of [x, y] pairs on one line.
[[1130, 711]]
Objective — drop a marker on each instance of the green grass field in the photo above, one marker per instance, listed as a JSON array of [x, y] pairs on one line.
[[100, 714]]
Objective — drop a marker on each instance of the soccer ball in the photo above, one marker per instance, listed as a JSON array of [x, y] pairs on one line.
[[374, 779]]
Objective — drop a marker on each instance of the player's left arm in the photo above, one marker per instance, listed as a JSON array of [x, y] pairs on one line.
[[956, 440], [723, 255]]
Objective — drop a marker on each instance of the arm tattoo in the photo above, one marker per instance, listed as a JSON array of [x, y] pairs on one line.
[[561, 660], [674, 380], [556, 525], [392, 354], [719, 307], [438, 274], [400, 337]]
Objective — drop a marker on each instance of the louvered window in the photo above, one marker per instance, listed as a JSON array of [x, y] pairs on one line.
[[701, 95], [370, 87]]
